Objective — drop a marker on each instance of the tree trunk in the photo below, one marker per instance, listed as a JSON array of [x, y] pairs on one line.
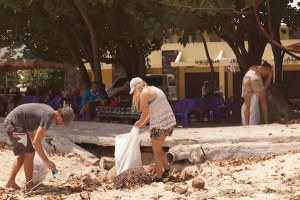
[[95, 48], [208, 57], [140, 57], [274, 26], [77, 57], [279, 106]]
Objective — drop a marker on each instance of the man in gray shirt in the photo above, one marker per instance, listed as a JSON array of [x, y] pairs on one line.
[[26, 126]]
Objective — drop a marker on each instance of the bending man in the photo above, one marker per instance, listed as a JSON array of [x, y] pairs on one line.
[[26, 126], [253, 83]]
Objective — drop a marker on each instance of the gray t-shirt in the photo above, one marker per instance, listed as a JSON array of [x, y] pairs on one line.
[[32, 115]]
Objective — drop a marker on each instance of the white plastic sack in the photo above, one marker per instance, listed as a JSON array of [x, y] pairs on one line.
[[40, 170], [127, 151], [254, 118]]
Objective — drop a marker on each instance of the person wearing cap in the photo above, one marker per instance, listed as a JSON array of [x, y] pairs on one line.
[[26, 126], [156, 110]]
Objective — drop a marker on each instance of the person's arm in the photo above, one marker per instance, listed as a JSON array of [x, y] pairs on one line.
[[84, 98], [31, 135], [37, 145], [144, 119], [268, 80]]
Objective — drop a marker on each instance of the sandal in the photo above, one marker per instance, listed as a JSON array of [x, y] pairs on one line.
[[157, 180], [166, 173]]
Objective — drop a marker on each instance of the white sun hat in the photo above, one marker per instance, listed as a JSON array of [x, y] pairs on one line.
[[133, 83]]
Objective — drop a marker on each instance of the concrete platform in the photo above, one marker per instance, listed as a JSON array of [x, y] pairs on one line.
[[214, 139], [104, 133]]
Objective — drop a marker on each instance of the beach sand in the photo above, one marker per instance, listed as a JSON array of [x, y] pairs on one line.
[[265, 178]]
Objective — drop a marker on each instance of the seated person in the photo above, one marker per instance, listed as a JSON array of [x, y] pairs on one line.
[[121, 95], [205, 89], [89, 100]]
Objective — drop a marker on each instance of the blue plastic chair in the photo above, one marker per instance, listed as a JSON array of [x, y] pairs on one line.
[[31, 99], [220, 110], [199, 110], [79, 110], [182, 109], [55, 103]]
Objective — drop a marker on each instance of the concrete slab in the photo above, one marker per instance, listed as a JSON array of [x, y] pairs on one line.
[[229, 141], [104, 134]]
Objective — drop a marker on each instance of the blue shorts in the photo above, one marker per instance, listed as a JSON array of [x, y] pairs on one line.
[[19, 139]]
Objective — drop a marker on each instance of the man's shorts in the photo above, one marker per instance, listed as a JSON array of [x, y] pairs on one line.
[[19, 139], [252, 83], [158, 134]]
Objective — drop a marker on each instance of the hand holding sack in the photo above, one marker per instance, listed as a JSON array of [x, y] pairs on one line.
[[127, 151]]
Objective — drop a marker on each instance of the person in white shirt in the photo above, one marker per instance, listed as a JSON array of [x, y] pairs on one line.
[[156, 110]]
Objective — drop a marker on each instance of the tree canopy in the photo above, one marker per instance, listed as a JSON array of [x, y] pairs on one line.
[[77, 31], [235, 23], [125, 32]]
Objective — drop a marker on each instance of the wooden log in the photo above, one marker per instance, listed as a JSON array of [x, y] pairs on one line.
[[186, 152]]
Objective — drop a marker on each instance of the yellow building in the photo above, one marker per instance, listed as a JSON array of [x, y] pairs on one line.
[[193, 68]]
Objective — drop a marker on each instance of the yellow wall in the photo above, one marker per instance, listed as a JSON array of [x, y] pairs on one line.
[[155, 71], [106, 70], [194, 52]]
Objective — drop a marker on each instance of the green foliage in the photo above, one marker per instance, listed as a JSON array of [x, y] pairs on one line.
[[128, 29], [43, 79], [9, 77]]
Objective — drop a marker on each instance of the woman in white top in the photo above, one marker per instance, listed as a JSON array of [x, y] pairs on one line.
[[156, 110]]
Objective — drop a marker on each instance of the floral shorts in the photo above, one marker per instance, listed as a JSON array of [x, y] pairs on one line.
[[158, 134], [19, 139], [252, 85]]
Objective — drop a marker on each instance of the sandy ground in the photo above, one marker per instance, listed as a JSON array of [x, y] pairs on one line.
[[265, 178]]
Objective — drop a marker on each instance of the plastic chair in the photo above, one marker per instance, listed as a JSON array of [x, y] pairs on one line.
[[55, 102], [199, 110], [219, 108], [79, 110], [31, 99], [182, 109]]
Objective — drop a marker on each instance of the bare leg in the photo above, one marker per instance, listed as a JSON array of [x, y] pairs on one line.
[[17, 164], [28, 168], [165, 159], [264, 106], [247, 109], [159, 156], [88, 110]]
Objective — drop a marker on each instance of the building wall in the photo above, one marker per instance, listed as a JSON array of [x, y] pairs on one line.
[[192, 69], [193, 60]]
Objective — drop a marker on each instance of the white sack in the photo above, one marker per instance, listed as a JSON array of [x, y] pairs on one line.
[[40, 170], [127, 151], [254, 118]]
